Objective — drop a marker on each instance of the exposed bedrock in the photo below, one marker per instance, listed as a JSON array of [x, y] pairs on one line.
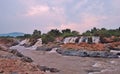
[[85, 53]]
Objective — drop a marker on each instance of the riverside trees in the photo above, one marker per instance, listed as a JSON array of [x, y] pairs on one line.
[[54, 33]]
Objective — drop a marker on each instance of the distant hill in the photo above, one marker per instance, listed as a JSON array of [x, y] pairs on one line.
[[13, 34]]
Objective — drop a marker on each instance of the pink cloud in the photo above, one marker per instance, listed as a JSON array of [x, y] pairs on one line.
[[88, 21], [37, 10]]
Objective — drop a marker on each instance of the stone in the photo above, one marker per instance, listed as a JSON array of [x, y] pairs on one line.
[[93, 54], [15, 52], [42, 48], [54, 70], [45, 69], [26, 59], [85, 53]]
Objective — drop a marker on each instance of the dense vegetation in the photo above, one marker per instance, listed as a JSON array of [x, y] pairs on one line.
[[49, 36], [103, 32], [52, 34]]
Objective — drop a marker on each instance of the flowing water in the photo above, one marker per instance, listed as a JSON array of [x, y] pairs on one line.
[[72, 64]]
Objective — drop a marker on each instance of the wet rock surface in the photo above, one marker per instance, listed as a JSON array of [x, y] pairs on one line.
[[26, 59], [15, 52], [42, 48], [45, 69], [84, 53], [18, 54]]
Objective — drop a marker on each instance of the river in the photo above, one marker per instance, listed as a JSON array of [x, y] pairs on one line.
[[72, 64]]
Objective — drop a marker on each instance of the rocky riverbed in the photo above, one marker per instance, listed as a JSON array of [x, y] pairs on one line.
[[72, 64]]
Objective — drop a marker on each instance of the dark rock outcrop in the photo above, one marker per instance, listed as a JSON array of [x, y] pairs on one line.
[[23, 58], [16, 52], [42, 48], [85, 53], [45, 68], [26, 59]]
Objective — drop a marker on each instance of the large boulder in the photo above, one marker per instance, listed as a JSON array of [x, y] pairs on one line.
[[45, 68], [16, 52], [23, 58], [26, 59]]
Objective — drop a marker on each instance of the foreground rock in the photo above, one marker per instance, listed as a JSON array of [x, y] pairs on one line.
[[43, 48], [45, 69], [23, 58], [85, 53], [13, 64], [8, 41]]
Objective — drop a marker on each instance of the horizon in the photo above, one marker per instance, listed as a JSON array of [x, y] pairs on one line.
[[80, 15], [59, 30]]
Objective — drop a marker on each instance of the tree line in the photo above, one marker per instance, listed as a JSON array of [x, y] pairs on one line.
[[53, 33]]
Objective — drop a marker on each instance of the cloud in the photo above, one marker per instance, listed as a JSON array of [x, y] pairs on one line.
[[37, 10], [78, 15]]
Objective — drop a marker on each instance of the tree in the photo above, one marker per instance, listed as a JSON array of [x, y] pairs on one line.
[[54, 33], [27, 35], [87, 33], [119, 28], [66, 31], [47, 38], [36, 32], [104, 29], [75, 33]]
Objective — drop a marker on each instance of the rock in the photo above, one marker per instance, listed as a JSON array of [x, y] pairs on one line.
[[69, 53], [85, 53], [23, 58], [42, 48], [16, 66], [93, 54], [85, 46], [45, 69], [54, 70], [26, 59], [15, 52], [3, 48], [60, 51]]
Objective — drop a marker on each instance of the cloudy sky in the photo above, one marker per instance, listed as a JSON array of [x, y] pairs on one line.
[[81, 15]]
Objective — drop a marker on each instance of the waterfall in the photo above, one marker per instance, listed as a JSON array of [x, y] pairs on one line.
[[83, 39], [70, 40], [95, 39], [24, 42], [37, 44]]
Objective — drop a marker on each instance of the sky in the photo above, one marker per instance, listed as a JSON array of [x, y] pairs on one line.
[[80, 15]]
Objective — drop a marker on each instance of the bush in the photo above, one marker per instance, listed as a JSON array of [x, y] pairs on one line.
[[47, 38]]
